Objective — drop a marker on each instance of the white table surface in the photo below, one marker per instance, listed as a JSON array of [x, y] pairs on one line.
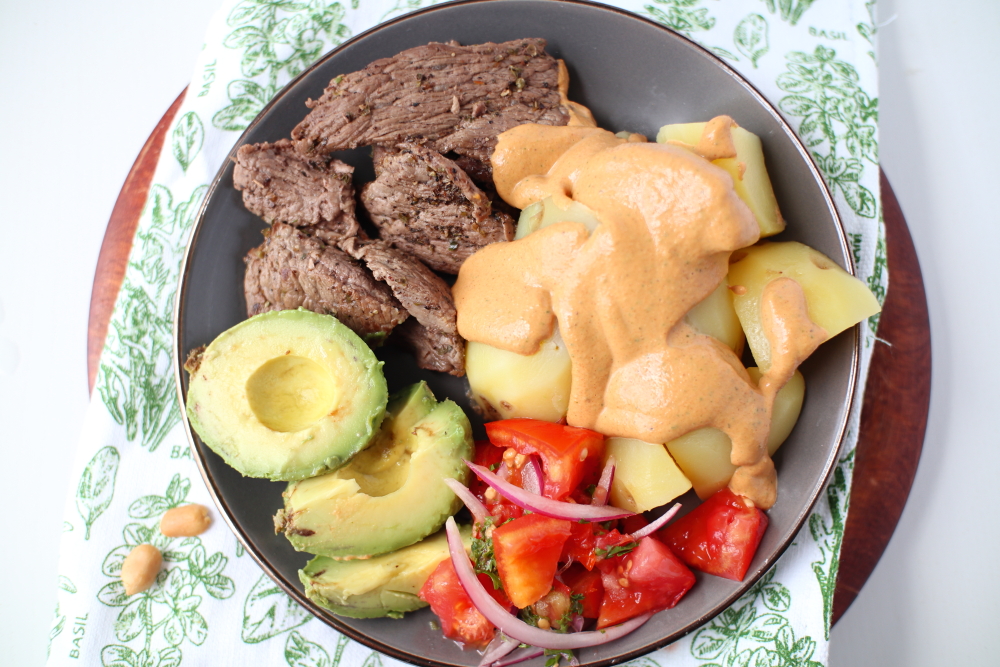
[[84, 83]]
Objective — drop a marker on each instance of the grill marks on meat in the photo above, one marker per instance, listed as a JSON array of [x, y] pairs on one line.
[[294, 270], [432, 331], [281, 185], [423, 203], [458, 98]]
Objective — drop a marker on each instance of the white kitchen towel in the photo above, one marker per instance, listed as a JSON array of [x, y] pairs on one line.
[[213, 606]]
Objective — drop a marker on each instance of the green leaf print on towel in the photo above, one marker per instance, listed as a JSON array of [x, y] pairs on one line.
[[135, 380], [279, 39], [878, 281], [743, 636], [300, 652], [836, 113], [405, 6], [66, 584], [97, 486], [187, 138], [750, 37], [58, 625], [790, 10], [830, 536], [870, 29], [681, 16], [166, 615], [268, 611]]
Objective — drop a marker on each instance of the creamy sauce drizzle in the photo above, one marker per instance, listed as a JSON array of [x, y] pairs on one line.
[[669, 222]]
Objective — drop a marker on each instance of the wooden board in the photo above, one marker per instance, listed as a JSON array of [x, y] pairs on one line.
[[893, 417]]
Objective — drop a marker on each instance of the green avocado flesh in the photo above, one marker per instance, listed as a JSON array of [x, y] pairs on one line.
[[385, 585], [287, 395], [392, 494]]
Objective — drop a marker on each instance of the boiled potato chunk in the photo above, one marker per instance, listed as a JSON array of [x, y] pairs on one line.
[[716, 317], [533, 386], [835, 300], [751, 181], [549, 211], [787, 406], [704, 455], [645, 475]]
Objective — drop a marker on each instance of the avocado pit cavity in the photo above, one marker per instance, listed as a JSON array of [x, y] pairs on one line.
[[291, 393]]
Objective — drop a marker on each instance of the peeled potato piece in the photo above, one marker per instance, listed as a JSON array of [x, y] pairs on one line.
[[645, 475], [835, 300], [534, 386], [704, 455], [750, 178], [716, 317], [515, 385], [548, 212]]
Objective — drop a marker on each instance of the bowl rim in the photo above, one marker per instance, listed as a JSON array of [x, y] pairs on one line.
[[291, 588]]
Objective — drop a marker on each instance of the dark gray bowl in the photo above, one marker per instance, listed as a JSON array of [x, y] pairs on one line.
[[635, 75]]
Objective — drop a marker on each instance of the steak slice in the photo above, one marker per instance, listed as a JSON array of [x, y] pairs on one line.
[[433, 336], [434, 349], [459, 98], [280, 185], [423, 203], [294, 270]]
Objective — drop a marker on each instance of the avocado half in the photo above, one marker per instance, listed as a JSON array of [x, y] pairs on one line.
[[392, 494], [385, 585], [287, 395]]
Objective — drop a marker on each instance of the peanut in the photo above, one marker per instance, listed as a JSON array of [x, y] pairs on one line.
[[185, 521], [140, 568]]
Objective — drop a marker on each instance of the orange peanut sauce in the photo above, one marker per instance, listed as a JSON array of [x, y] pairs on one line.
[[669, 220]]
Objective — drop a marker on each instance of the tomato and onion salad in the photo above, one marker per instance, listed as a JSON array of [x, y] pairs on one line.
[[549, 555]]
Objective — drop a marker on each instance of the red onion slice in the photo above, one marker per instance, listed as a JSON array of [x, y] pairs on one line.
[[479, 511], [526, 654], [497, 649], [546, 506], [514, 627], [656, 525], [532, 479], [604, 485]]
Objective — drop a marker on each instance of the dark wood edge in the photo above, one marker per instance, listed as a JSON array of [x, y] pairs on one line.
[[893, 417], [117, 244], [894, 414]]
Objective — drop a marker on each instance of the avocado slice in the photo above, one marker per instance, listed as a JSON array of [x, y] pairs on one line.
[[391, 495], [286, 395], [376, 587]]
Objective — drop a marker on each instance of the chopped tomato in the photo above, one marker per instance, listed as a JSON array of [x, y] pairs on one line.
[[649, 579], [588, 543], [527, 554], [579, 547], [460, 620], [495, 593], [555, 605], [605, 543], [491, 457], [588, 584], [720, 536], [630, 524], [568, 454]]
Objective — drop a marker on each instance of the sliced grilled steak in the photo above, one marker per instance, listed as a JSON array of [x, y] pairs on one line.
[[292, 270], [423, 203], [280, 185], [459, 98], [434, 335], [434, 349], [479, 171]]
